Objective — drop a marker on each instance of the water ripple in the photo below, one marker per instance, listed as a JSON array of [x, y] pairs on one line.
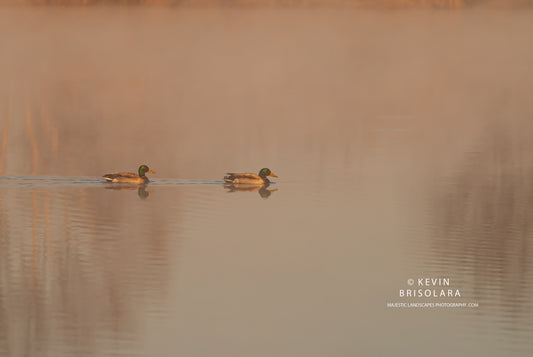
[[48, 181]]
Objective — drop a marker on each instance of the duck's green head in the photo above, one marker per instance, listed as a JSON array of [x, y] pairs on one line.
[[266, 172], [143, 169]]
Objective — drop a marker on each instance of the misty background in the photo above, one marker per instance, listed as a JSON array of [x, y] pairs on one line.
[[194, 93]]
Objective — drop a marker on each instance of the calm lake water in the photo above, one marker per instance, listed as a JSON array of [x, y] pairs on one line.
[[402, 141]]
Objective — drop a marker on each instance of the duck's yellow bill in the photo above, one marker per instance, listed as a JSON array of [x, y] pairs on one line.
[[271, 174], [151, 171]]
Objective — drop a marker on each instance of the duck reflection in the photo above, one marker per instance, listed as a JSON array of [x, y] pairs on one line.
[[141, 190], [263, 190]]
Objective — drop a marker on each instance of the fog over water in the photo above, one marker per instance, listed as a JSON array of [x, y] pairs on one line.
[[401, 138], [154, 84]]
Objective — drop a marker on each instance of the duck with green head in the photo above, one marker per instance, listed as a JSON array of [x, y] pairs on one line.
[[128, 177], [249, 179]]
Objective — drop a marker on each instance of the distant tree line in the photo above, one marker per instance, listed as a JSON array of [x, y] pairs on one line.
[[240, 3]]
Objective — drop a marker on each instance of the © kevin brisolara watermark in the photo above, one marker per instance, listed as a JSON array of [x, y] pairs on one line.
[[439, 288], [429, 287]]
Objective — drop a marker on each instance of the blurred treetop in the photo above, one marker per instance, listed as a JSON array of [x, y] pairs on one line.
[[286, 3]]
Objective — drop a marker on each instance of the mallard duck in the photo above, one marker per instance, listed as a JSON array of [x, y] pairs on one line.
[[249, 179], [128, 177]]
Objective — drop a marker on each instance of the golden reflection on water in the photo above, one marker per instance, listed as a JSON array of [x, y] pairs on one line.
[[90, 273], [483, 228]]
